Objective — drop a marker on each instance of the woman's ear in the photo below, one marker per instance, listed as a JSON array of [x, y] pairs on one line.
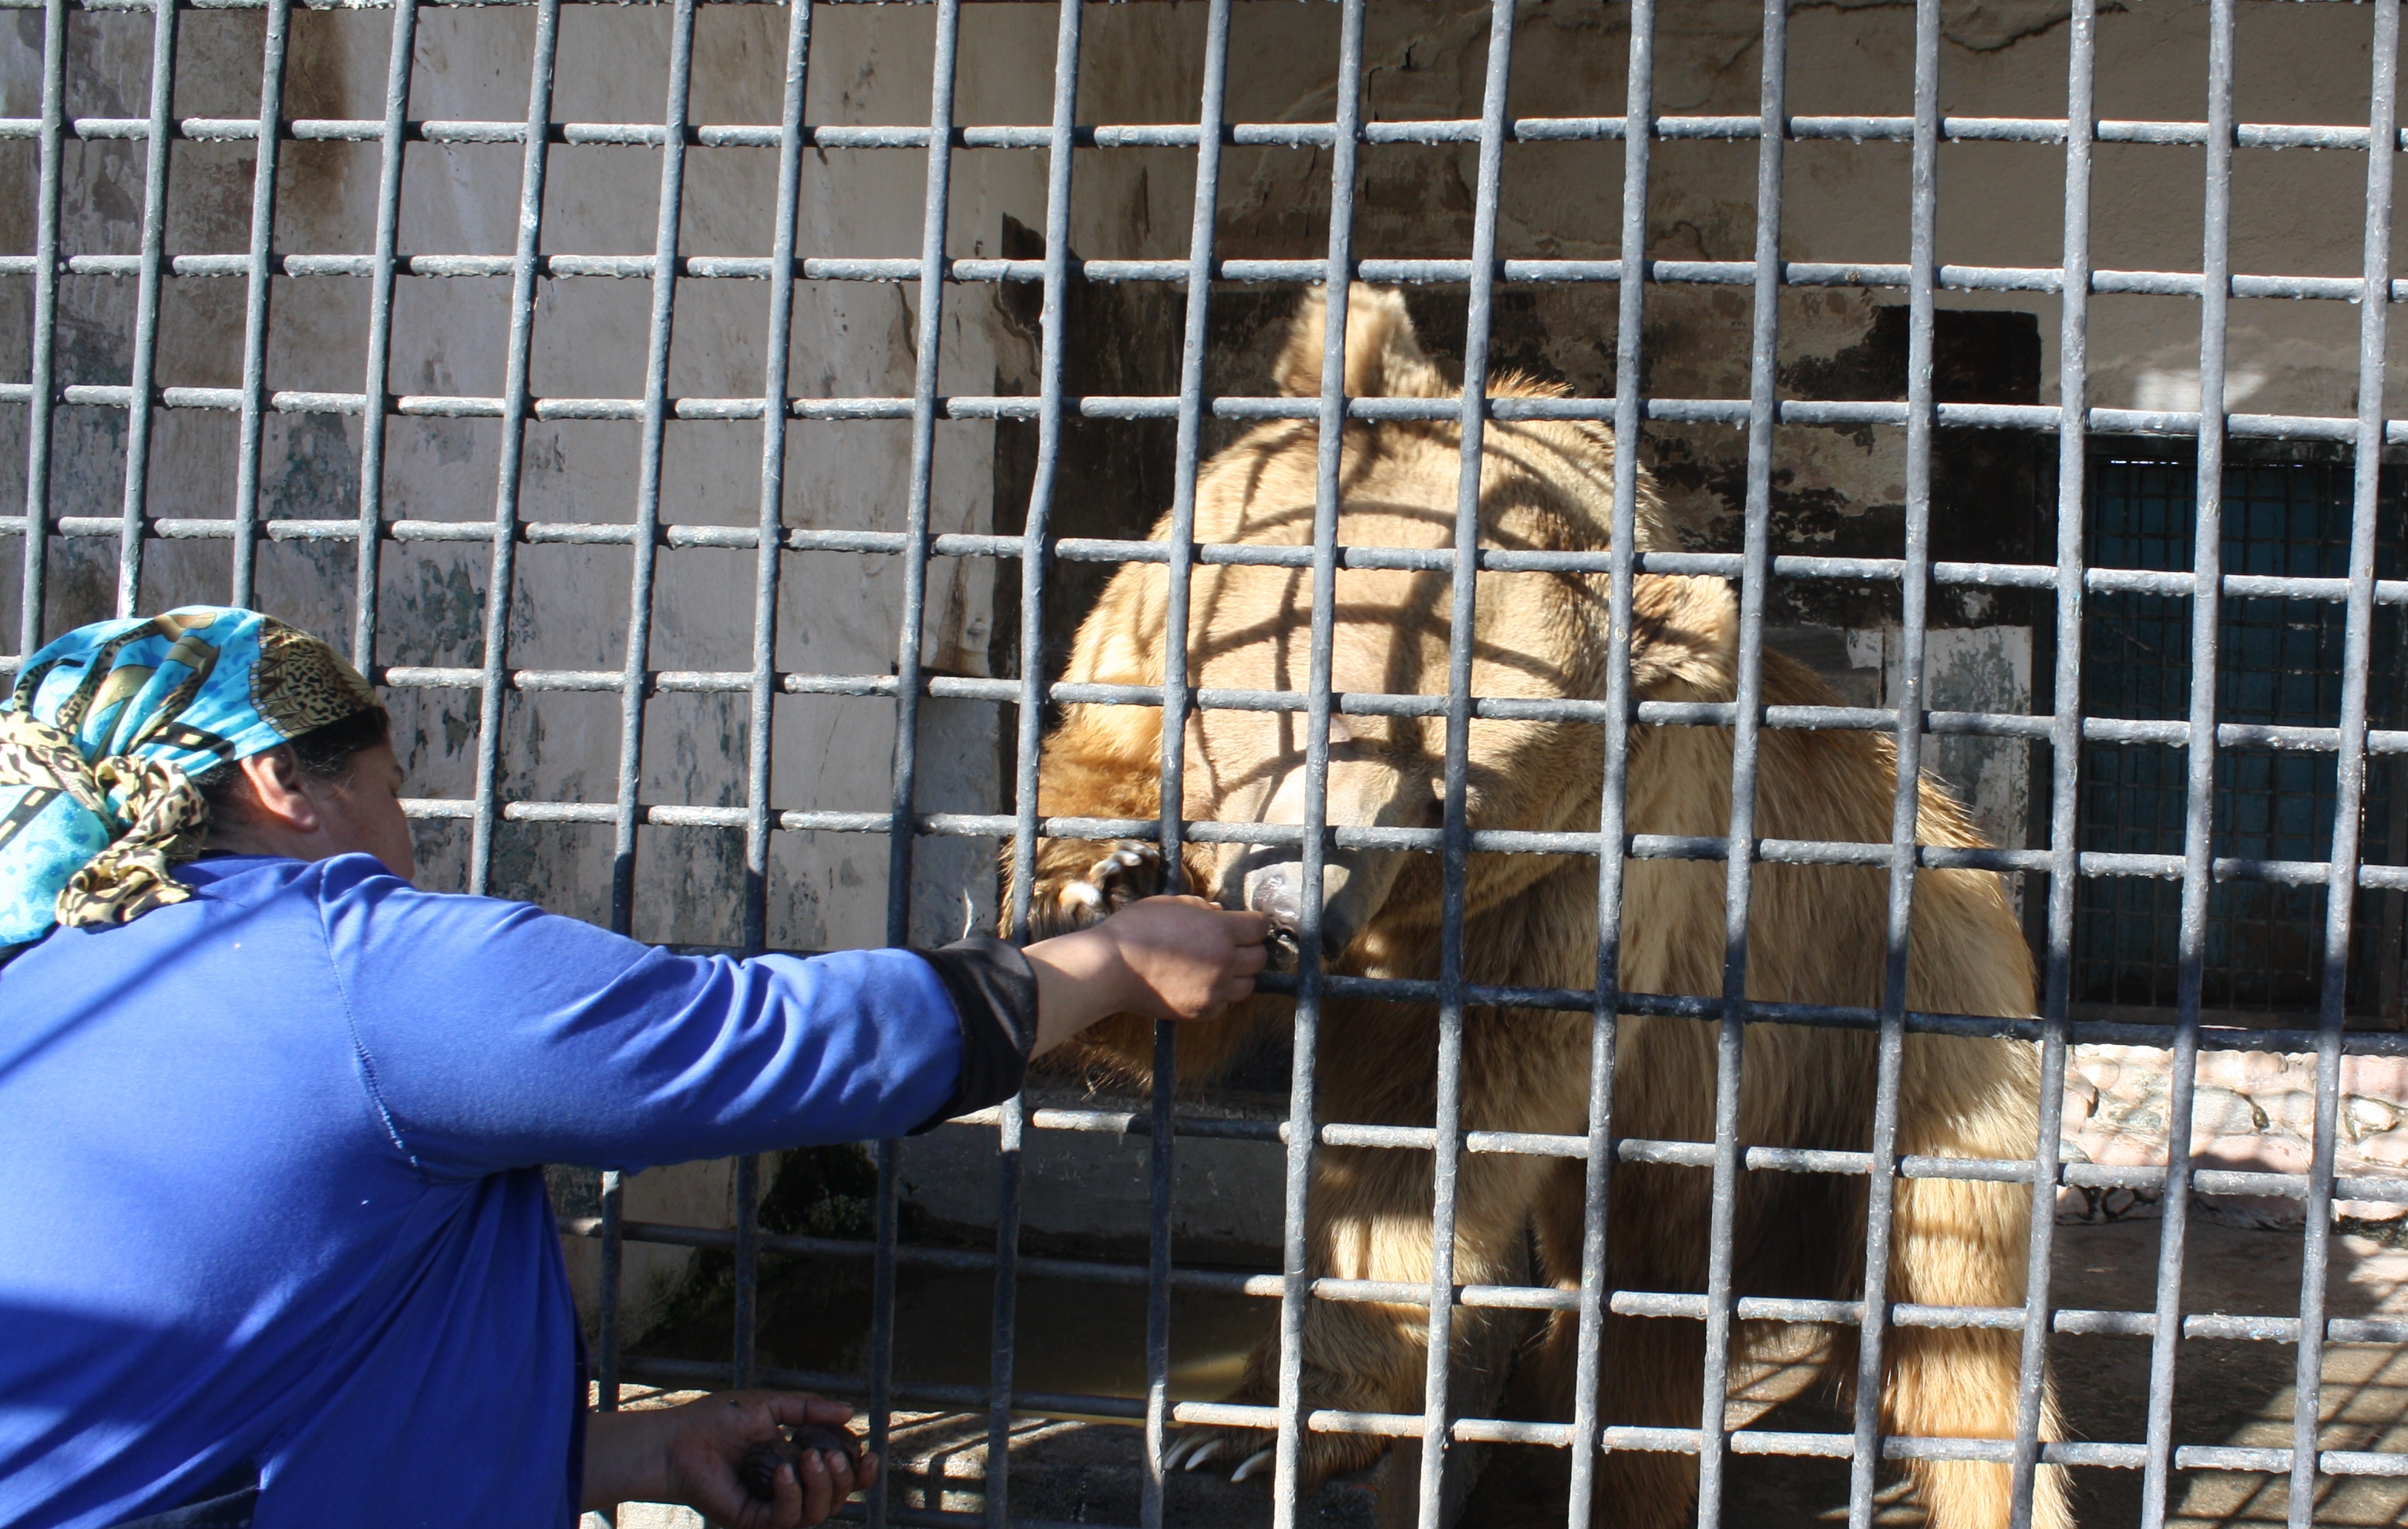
[[274, 792]]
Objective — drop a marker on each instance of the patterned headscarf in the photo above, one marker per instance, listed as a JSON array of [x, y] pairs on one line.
[[100, 739]]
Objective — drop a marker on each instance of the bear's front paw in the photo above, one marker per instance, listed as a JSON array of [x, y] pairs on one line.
[[1240, 1452], [1249, 1452], [1131, 870]]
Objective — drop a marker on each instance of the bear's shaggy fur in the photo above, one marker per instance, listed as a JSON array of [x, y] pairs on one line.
[[1816, 934]]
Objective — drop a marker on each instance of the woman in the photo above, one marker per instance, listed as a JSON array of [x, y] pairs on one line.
[[274, 1242]]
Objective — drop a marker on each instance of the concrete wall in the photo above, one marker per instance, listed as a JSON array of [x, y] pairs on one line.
[[837, 613]]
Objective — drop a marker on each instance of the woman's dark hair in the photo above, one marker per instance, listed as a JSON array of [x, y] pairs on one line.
[[324, 753]]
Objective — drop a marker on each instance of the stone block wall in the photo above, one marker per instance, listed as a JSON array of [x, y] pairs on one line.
[[2255, 1111]]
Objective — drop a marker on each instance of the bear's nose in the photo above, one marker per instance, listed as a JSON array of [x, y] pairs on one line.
[[1276, 892], [1272, 892]]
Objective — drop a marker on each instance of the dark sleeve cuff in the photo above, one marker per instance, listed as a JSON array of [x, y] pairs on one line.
[[995, 996]]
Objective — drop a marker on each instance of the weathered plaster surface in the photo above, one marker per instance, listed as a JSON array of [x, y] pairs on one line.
[[1981, 669]]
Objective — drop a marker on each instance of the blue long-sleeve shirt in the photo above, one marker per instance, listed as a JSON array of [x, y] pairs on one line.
[[269, 1191]]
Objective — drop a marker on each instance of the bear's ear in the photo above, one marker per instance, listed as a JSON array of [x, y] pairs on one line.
[[1383, 357]]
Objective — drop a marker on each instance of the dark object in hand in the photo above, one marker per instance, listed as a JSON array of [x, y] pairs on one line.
[[758, 1469]]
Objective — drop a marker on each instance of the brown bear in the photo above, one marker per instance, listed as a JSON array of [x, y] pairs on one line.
[[1817, 934]]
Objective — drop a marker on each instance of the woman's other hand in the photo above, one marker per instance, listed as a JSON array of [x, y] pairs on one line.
[[690, 1454]]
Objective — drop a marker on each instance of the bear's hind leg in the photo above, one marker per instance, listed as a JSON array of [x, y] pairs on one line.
[[1650, 1370], [1351, 1354], [1358, 1356]]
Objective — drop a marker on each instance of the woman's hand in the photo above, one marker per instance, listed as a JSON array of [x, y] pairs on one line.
[[1167, 958], [689, 1454]]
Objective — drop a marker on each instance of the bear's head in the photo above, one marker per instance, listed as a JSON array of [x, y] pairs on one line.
[[1538, 634]]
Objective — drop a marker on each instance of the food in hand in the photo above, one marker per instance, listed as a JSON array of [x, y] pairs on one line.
[[758, 1469]]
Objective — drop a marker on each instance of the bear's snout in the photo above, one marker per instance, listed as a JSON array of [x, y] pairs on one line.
[[1352, 885], [1275, 893]]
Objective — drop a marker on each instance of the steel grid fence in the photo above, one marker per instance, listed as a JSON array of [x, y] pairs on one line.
[[2074, 422]]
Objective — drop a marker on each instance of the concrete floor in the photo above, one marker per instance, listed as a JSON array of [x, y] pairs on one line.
[[2228, 1393]]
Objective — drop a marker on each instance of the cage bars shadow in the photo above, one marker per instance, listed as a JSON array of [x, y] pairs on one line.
[[2074, 422]]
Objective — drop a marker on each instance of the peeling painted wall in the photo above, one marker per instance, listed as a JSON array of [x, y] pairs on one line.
[[1835, 490], [837, 611], [1984, 668]]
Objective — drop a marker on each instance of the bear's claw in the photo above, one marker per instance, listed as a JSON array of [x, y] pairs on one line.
[[1132, 871], [1196, 1452], [1195, 1448], [1254, 1452]]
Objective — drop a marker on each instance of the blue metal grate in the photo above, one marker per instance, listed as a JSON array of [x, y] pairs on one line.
[[2281, 664]]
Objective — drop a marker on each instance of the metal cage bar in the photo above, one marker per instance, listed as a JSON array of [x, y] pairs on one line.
[[777, 352], [146, 325], [910, 639], [645, 542], [1739, 863], [43, 362], [1462, 627], [2341, 901], [256, 294], [1869, 129], [2331, 429], [501, 576], [1881, 1197], [633, 688], [401, 61], [1296, 1250], [2207, 550], [1177, 699], [2065, 763], [1053, 339], [1598, 1157]]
